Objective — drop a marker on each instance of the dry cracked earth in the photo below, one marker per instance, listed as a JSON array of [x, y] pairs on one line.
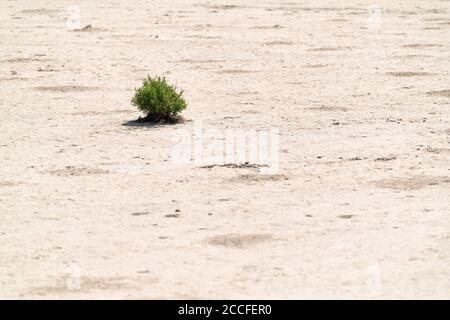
[[93, 205]]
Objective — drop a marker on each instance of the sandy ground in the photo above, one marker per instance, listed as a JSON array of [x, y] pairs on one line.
[[93, 206]]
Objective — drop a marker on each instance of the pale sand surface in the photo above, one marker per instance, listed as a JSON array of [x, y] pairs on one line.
[[359, 208]]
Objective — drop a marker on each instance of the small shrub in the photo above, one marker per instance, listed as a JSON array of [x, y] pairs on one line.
[[159, 101]]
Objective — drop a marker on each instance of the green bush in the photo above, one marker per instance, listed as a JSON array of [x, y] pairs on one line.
[[159, 101]]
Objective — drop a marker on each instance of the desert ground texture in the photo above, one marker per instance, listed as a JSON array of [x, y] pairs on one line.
[[94, 205]]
